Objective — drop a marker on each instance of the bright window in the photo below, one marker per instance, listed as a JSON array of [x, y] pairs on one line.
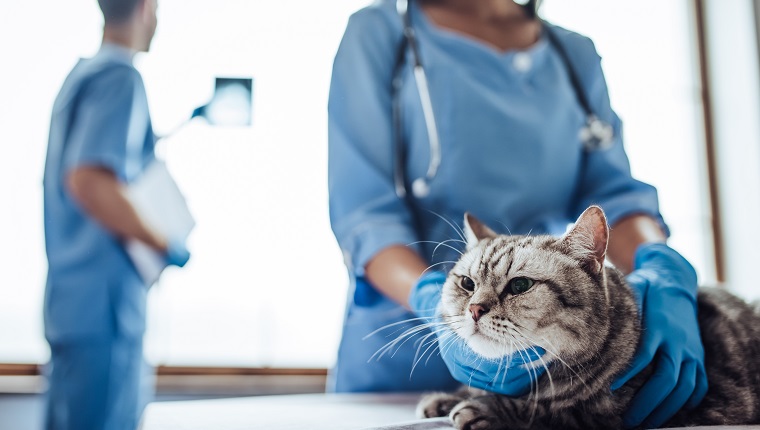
[[649, 56], [266, 285]]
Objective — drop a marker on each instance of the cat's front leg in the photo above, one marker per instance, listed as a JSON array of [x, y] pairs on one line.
[[440, 404], [495, 412]]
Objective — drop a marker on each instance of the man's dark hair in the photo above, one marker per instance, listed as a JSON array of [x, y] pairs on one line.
[[117, 11]]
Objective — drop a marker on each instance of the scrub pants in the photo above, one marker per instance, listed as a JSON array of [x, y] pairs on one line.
[[97, 385]]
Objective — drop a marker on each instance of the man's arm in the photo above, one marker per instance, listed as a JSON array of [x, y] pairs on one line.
[[103, 197]]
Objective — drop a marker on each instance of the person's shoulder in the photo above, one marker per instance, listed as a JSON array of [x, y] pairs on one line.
[[378, 19], [112, 76], [577, 45], [99, 83], [115, 70], [372, 33], [94, 78]]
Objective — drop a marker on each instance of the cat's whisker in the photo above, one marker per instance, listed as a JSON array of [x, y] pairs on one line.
[[431, 343], [533, 380], [439, 244], [506, 227], [438, 264], [400, 340], [392, 347], [446, 347], [475, 368], [456, 228], [446, 245], [564, 363], [408, 334], [549, 347], [442, 342], [395, 324]]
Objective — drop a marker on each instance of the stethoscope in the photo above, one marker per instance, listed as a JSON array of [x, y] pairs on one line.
[[595, 134]]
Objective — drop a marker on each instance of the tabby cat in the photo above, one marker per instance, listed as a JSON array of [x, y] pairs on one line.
[[506, 292]]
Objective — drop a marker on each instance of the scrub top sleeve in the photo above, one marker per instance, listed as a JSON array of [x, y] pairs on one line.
[[99, 127], [606, 180], [365, 213]]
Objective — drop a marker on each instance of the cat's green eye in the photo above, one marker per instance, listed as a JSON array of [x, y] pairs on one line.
[[520, 285], [467, 283]]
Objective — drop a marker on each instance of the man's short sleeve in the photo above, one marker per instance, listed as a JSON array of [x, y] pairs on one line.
[[100, 123]]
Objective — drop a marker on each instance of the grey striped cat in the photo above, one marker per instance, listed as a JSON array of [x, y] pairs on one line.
[[558, 294]]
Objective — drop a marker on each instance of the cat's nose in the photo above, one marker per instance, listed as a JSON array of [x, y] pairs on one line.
[[478, 310]]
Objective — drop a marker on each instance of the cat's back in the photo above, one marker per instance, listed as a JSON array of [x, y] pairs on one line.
[[730, 330], [724, 315]]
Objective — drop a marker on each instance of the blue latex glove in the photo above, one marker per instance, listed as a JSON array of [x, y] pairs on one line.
[[506, 376], [665, 286], [177, 253]]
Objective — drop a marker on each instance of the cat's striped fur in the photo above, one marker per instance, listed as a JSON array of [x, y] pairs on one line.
[[584, 315]]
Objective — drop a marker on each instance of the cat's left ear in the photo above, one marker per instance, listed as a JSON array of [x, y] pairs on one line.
[[475, 230], [587, 240]]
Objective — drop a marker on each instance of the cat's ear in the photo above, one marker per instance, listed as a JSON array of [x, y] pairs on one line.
[[587, 240], [475, 231]]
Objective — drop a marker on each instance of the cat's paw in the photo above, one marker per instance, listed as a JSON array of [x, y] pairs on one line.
[[437, 405], [470, 415]]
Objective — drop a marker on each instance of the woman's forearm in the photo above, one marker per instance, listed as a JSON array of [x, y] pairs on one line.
[[394, 271], [627, 234]]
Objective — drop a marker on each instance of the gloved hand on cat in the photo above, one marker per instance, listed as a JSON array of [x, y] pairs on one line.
[[665, 286], [507, 376]]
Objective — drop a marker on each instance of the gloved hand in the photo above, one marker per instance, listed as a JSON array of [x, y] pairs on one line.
[[505, 376], [176, 253], [665, 286]]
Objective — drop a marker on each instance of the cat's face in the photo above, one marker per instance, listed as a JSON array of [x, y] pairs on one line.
[[509, 293]]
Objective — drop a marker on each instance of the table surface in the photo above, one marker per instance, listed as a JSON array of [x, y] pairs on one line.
[[287, 412], [301, 412]]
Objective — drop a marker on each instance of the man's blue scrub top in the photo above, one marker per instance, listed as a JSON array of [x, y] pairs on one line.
[[509, 127], [100, 118]]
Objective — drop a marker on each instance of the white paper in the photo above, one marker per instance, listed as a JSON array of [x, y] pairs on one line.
[[160, 204]]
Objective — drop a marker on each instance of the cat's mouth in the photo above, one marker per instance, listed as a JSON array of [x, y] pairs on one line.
[[486, 342], [487, 334]]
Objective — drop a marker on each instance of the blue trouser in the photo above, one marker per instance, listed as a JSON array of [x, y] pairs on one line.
[[98, 384], [414, 365]]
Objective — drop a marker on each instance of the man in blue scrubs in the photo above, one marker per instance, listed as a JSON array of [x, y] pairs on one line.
[[101, 139], [508, 118]]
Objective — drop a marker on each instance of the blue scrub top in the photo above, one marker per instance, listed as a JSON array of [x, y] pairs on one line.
[[100, 118], [509, 127]]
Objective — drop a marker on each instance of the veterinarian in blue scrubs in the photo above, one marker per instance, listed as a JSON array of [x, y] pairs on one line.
[[505, 91], [101, 138]]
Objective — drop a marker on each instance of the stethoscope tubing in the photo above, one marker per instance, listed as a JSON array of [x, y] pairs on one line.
[[595, 134]]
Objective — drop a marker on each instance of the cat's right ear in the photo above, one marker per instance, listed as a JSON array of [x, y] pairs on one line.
[[587, 240], [475, 231]]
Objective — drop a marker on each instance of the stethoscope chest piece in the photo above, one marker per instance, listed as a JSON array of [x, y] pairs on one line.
[[420, 188], [596, 135]]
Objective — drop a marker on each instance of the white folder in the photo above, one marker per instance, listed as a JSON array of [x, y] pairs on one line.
[[161, 205]]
